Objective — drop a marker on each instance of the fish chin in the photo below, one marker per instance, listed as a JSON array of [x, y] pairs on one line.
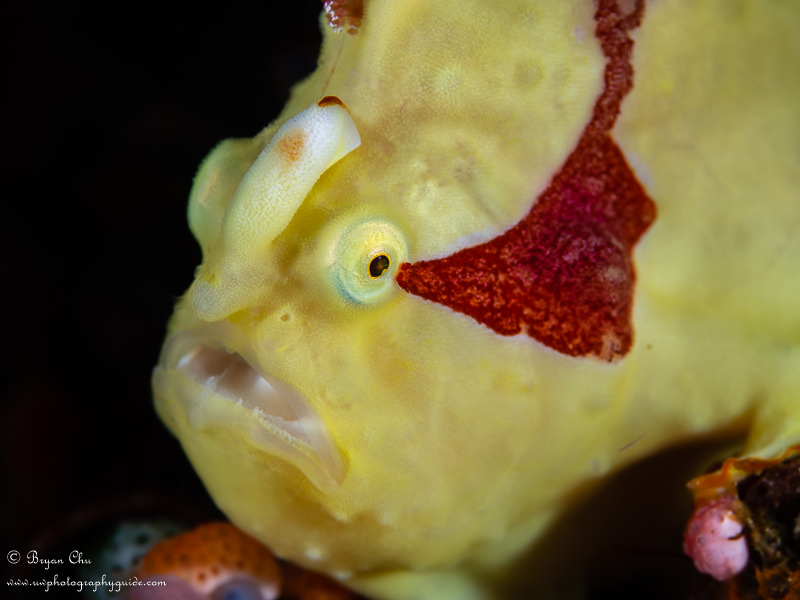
[[217, 387]]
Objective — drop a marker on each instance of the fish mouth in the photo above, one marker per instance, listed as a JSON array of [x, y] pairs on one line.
[[220, 385]]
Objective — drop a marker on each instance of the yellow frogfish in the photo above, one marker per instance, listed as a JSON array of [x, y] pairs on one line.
[[491, 256]]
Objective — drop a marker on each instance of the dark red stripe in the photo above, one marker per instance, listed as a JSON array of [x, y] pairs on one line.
[[564, 274]]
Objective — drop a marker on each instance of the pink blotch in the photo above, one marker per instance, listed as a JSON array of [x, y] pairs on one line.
[[714, 539]]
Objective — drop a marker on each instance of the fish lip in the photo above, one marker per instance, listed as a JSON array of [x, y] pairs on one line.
[[204, 366]]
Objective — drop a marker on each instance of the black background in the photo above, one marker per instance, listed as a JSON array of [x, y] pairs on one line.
[[110, 112]]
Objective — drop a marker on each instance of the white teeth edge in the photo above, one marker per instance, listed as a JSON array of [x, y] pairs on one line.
[[289, 423]]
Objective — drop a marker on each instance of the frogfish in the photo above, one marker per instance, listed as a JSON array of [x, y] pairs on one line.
[[491, 256]]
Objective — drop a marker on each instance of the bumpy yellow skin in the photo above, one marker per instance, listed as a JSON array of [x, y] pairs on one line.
[[456, 446]]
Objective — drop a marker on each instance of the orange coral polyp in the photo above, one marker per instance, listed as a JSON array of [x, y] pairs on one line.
[[211, 555]]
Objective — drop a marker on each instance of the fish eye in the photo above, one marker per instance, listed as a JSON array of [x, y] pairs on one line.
[[379, 265], [363, 259]]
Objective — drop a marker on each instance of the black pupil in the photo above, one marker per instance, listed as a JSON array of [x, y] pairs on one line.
[[378, 265]]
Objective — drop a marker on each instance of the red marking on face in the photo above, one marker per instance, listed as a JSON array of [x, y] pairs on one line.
[[331, 101], [564, 274], [290, 146], [344, 14]]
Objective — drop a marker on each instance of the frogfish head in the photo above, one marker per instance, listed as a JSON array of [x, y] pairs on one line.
[[320, 403], [353, 427]]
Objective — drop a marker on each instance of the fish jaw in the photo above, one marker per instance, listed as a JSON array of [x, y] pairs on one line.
[[208, 378]]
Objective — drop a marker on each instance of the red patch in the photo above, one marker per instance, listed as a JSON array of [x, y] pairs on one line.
[[290, 146], [344, 14], [564, 274], [331, 101]]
